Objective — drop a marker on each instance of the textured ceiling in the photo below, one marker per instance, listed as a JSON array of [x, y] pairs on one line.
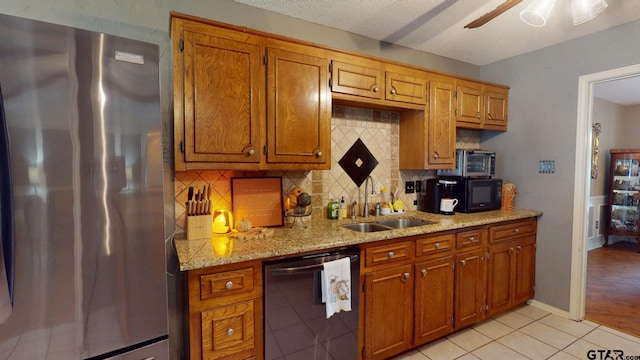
[[437, 27]]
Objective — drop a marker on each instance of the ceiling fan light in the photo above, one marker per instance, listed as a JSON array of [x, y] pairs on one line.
[[537, 13], [585, 10]]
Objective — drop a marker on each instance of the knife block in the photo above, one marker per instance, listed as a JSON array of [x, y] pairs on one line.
[[199, 227]]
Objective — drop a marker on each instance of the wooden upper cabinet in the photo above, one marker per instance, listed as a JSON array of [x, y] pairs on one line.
[[353, 75], [481, 106], [470, 105], [298, 105], [442, 126], [246, 101], [218, 82], [496, 106], [405, 85], [428, 137]]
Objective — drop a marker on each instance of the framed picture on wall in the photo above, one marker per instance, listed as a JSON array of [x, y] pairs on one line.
[[258, 199]]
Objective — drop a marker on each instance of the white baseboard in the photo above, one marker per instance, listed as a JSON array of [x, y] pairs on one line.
[[549, 308]]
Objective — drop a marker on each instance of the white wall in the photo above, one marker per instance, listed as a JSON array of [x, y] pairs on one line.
[[542, 126], [611, 117], [630, 134]]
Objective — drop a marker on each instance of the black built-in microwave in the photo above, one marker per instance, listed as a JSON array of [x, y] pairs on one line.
[[478, 194]]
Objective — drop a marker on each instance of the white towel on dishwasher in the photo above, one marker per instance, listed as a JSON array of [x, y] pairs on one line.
[[337, 285]]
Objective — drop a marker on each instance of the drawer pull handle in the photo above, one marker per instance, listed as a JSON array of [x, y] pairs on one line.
[[516, 230], [405, 277], [463, 262], [391, 254], [437, 245], [472, 238], [251, 152], [519, 247], [229, 284], [424, 272], [230, 332], [393, 91], [375, 89]]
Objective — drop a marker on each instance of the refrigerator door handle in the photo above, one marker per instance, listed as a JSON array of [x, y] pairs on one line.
[[6, 222]]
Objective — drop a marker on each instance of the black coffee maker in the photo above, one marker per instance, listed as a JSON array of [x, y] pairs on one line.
[[433, 191]]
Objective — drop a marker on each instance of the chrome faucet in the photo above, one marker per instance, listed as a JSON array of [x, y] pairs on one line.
[[365, 210]]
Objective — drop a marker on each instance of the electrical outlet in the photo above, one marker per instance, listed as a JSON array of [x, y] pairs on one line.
[[409, 187], [418, 186]]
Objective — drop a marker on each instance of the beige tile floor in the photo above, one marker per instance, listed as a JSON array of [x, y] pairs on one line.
[[529, 332]]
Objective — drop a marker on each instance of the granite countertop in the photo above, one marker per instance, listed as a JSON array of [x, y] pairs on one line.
[[321, 234]]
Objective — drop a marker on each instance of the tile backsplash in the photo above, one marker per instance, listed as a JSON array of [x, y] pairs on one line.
[[378, 130]]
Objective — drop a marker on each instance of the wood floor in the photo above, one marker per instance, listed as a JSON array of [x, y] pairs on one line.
[[613, 287]]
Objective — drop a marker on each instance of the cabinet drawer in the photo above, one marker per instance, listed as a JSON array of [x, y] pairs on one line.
[[227, 330], [511, 230], [465, 239], [226, 283], [385, 254], [437, 244]]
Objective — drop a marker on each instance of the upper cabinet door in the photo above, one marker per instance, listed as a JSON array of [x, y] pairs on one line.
[[223, 105], [405, 85], [357, 76], [470, 109], [496, 104], [442, 128], [298, 106]]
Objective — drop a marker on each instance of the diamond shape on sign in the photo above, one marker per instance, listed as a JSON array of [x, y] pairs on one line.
[[358, 162]]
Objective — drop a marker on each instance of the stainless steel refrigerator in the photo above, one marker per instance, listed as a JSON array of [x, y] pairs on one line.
[[82, 269]]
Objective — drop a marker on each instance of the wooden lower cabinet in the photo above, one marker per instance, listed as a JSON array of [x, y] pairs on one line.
[[224, 310], [511, 274], [418, 289], [388, 325], [511, 265], [433, 293], [470, 288]]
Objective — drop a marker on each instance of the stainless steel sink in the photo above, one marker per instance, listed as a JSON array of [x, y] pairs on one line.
[[404, 223], [383, 225], [366, 227]]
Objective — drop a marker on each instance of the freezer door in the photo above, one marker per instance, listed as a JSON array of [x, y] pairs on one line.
[[83, 117]]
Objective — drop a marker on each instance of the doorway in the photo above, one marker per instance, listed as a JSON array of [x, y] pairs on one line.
[[586, 85]]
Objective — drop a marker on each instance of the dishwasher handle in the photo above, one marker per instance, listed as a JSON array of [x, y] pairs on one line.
[[304, 268]]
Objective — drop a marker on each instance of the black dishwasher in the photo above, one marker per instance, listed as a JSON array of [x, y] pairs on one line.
[[295, 322]]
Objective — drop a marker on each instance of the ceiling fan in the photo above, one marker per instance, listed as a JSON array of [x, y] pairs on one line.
[[508, 4]]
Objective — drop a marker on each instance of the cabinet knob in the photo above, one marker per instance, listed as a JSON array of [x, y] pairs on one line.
[[489, 116], [251, 152], [472, 238], [516, 230], [405, 277], [519, 247], [478, 114], [393, 91], [229, 284], [424, 272], [230, 332], [435, 155], [375, 89], [463, 262], [391, 254], [436, 245], [319, 154]]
